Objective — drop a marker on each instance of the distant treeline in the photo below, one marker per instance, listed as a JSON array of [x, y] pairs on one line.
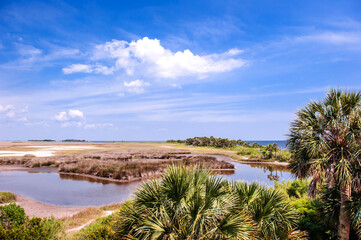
[[211, 142], [220, 143]]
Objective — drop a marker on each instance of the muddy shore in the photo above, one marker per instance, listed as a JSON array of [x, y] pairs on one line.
[[38, 209]]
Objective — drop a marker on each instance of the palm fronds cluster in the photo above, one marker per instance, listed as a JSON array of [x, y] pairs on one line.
[[325, 140], [193, 204]]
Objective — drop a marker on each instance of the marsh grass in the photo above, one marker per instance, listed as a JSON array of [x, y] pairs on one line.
[[142, 168]]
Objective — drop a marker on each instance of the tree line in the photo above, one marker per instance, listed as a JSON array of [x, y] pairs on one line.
[[211, 142]]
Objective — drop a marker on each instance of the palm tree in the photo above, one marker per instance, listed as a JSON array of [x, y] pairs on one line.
[[193, 204], [325, 140], [273, 215], [185, 204]]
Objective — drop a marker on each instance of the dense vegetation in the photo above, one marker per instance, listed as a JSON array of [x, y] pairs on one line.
[[14, 224], [193, 204], [255, 151], [210, 142], [325, 140]]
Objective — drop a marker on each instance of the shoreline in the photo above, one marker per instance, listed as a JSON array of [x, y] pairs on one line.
[[35, 208]]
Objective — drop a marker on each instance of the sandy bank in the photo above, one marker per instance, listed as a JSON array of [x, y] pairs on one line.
[[13, 168], [38, 209]]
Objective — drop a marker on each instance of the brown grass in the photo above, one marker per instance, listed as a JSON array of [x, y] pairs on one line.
[[128, 170], [87, 215]]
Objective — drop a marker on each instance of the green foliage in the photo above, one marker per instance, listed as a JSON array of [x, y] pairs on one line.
[[311, 219], [253, 152], [210, 142], [100, 230], [12, 215], [273, 215], [193, 204], [6, 197], [294, 189], [14, 224], [325, 141]]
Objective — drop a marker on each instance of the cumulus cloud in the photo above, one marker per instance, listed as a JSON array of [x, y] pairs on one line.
[[136, 86], [149, 58], [75, 113], [68, 115]]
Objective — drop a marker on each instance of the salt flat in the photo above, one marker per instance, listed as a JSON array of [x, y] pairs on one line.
[[44, 151]]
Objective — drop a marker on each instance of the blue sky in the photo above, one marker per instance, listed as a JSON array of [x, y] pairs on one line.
[[156, 70]]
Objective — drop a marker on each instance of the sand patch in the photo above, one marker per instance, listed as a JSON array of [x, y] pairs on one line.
[[44, 151], [38, 209]]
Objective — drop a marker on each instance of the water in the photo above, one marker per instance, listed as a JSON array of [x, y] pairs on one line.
[[55, 189], [261, 174], [65, 190]]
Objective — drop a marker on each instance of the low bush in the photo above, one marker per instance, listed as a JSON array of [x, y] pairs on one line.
[[100, 230], [7, 197], [293, 188], [14, 224]]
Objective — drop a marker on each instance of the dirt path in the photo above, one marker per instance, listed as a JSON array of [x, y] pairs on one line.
[[37, 209], [106, 213]]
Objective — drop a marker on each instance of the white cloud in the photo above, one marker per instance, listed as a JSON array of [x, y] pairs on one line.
[[84, 68], [77, 68], [136, 86], [67, 115], [10, 112], [75, 113], [7, 110], [61, 116], [148, 57]]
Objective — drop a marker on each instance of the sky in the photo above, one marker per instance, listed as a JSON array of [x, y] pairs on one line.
[[158, 70]]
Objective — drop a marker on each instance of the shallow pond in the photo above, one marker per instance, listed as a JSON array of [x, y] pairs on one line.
[[50, 187]]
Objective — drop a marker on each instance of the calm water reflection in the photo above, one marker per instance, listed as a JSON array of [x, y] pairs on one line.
[[50, 187], [255, 172]]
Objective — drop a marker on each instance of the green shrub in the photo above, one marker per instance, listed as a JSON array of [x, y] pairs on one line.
[[293, 188], [14, 224], [311, 219], [6, 197], [11, 216], [100, 230]]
